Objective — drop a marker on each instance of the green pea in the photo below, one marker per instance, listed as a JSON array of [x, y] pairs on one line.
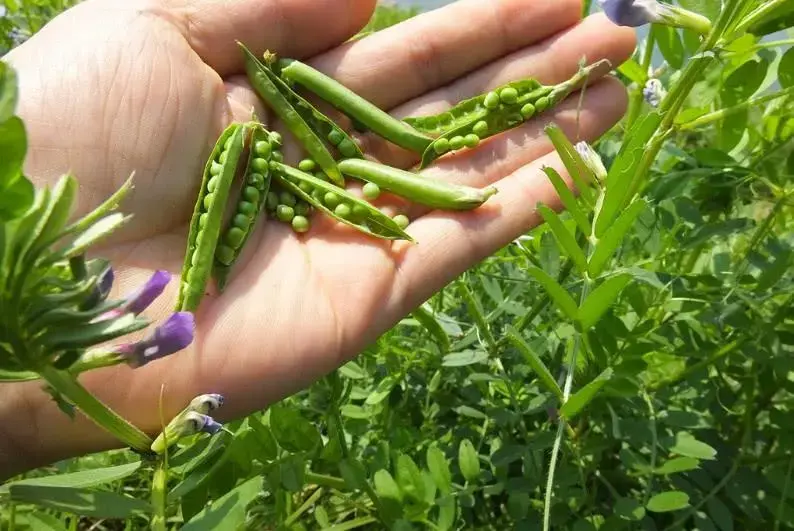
[[241, 220], [251, 194], [331, 200], [515, 119], [224, 254], [195, 258], [320, 175], [286, 198], [307, 165], [277, 156], [274, 138], [285, 213], [371, 191], [491, 101], [347, 148], [234, 237], [244, 207], [541, 104], [441, 146], [319, 195], [212, 184], [223, 157], [359, 212], [256, 180], [528, 111], [263, 149], [203, 220], [306, 187], [480, 128], [343, 211], [215, 168], [455, 143], [508, 96], [401, 220], [272, 201], [228, 144], [303, 209], [335, 137], [208, 199], [300, 224], [259, 165], [471, 140]]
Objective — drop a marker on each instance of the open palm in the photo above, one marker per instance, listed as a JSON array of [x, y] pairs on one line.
[[116, 86]]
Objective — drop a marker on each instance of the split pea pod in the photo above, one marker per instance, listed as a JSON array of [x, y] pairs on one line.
[[339, 204], [250, 206], [354, 106], [429, 192], [205, 225], [263, 84]]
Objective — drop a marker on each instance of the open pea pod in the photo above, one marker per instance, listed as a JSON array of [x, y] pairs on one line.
[[363, 216]]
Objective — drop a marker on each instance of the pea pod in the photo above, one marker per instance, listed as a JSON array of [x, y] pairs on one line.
[[354, 106], [250, 206], [429, 192], [203, 235], [261, 80], [372, 222]]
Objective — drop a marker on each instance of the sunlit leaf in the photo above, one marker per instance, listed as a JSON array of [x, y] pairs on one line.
[[81, 479], [228, 512], [669, 42], [579, 400], [677, 464], [439, 469], [8, 92], [606, 246], [785, 69], [557, 293], [565, 239], [668, 501], [85, 502], [601, 299], [568, 199], [534, 361], [468, 461], [687, 445], [13, 147]]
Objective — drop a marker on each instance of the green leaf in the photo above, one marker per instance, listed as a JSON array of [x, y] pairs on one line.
[[98, 231], [409, 478], [426, 317], [773, 273], [557, 293], [629, 509], [605, 247], [84, 478], [534, 361], [568, 199], [383, 390], [632, 70], [719, 514], [580, 173], [678, 464], [743, 82], [293, 432], [565, 239], [354, 473], [468, 461], [439, 469], [93, 333], [622, 172], [778, 20], [688, 446], [585, 395], [8, 92], [228, 512], [58, 211], [386, 487], [85, 502], [785, 69], [13, 147], [462, 359], [708, 8], [669, 42], [673, 500], [45, 522], [601, 299], [16, 199]]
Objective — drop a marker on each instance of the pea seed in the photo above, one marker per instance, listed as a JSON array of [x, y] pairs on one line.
[[263, 149], [528, 111], [241, 220], [491, 101], [471, 140], [335, 137], [256, 180], [371, 191], [278, 156], [441, 146], [480, 128], [401, 220], [306, 187], [224, 254], [307, 165], [215, 168], [208, 199], [343, 211], [347, 148], [212, 184], [286, 198], [303, 209], [508, 95], [275, 138], [300, 224], [318, 195], [455, 143], [234, 237], [195, 258], [259, 165], [515, 119], [251, 194], [228, 143], [244, 207], [223, 157], [273, 165], [359, 212], [203, 220], [541, 104], [272, 201], [331, 200], [285, 213], [320, 175]]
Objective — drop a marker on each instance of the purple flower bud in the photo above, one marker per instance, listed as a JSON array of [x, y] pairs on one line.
[[202, 423], [172, 336], [140, 299], [105, 283], [653, 92], [206, 403], [632, 13], [592, 160]]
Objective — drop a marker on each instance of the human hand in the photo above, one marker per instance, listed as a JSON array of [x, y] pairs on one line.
[[115, 86]]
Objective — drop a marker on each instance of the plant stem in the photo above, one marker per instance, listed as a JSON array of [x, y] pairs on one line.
[[324, 480], [636, 96], [68, 386], [159, 482], [654, 447], [724, 113]]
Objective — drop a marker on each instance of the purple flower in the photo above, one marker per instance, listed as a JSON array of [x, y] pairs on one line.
[[202, 423], [592, 160], [105, 283], [170, 337], [634, 13], [206, 403], [653, 92], [140, 299]]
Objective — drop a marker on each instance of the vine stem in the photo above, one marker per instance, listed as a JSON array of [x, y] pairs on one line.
[[724, 113], [159, 482], [68, 386], [654, 448]]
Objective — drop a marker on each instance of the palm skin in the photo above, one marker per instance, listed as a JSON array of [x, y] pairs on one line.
[[113, 87]]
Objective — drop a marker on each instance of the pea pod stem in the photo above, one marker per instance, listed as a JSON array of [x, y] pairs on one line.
[[354, 106], [433, 193]]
